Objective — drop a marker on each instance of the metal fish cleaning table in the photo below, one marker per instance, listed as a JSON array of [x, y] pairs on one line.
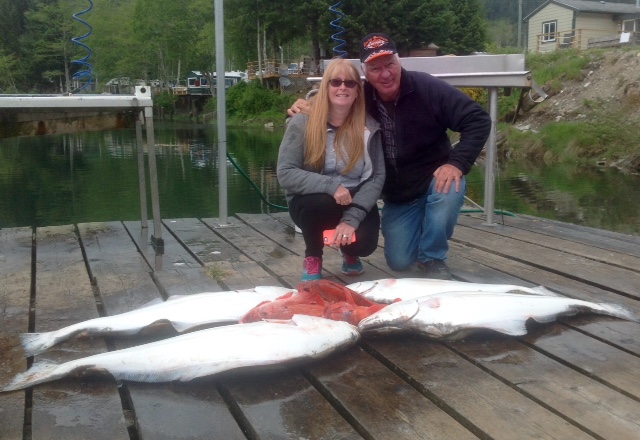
[[573, 379]]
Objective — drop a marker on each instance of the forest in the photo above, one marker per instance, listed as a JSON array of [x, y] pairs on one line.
[[164, 39]]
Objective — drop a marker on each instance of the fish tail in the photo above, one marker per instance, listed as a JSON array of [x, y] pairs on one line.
[[38, 373], [619, 311], [35, 343]]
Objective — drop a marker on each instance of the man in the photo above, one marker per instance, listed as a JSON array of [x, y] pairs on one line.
[[425, 185]]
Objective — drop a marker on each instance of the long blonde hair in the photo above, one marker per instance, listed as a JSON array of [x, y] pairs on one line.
[[349, 142]]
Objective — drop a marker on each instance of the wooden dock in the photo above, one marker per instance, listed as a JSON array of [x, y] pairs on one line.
[[574, 379]]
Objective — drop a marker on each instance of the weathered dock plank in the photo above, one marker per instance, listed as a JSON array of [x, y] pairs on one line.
[[15, 297], [598, 238], [266, 247], [596, 359], [227, 267], [603, 253], [614, 278], [489, 407], [595, 407], [182, 411], [284, 405], [381, 404], [576, 378], [70, 409]]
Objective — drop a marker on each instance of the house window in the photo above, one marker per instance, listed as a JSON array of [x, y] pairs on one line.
[[629, 26], [549, 29]]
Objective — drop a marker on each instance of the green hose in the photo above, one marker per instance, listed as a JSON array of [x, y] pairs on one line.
[[495, 211], [241, 171], [286, 208]]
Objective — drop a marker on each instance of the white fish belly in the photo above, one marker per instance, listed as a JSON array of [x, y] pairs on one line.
[[208, 352], [454, 313], [390, 289], [183, 312]]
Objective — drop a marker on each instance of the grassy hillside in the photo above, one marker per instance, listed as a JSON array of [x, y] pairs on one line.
[[591, 114]]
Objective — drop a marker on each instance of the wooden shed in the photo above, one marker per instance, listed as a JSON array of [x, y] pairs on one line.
[[581, 24]]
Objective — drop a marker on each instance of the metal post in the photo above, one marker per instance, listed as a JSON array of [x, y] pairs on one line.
[[141, 174], [519, 24], [489, 180], [222, 113], [156, 238]]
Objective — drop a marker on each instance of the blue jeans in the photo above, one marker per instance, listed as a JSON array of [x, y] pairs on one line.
[[420, 230]]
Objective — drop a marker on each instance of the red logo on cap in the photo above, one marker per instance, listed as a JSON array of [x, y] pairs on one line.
[[375, 42]]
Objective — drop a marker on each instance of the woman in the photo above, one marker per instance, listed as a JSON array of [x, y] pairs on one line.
[[331, 166]]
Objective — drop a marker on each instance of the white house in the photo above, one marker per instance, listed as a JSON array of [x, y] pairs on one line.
[[580, 24]]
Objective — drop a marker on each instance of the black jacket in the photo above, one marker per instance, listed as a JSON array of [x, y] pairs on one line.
[[426, 109]]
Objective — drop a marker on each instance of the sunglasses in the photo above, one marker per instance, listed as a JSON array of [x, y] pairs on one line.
[[349, 83]]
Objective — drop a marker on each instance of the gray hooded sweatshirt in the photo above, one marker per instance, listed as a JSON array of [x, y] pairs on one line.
[[298, 179]]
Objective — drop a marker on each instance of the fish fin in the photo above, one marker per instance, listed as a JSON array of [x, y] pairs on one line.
[[38, 373], [182, 327], [511, 327], [618, 311], [35, 343], [394, 315]]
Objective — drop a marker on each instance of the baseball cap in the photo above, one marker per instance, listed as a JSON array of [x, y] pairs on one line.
[[375, 45]]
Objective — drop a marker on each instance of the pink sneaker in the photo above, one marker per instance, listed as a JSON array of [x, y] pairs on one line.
[[312, 269]]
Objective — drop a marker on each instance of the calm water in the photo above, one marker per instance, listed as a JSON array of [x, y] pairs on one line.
[[64, 179]]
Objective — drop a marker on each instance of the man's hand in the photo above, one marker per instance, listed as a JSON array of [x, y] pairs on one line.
[[445, 176], [301, 105]]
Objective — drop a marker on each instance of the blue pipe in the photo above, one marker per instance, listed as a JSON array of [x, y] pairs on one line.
[[86, 69], [339, 49]]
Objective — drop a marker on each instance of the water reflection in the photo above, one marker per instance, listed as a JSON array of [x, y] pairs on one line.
[[597, 197], [63, 179]]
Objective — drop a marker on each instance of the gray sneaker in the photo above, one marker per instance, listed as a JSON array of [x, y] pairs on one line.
[[436, 269]]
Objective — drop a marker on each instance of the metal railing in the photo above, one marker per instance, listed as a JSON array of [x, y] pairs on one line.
[[581, 39], [140, 103]]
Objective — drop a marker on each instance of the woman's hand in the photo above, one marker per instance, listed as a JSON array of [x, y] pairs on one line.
[[343, 236], [342, 196]]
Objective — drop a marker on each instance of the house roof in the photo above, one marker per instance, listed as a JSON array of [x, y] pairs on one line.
[[590, 6]]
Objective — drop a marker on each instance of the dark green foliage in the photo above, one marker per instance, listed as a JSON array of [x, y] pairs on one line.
[[165, 39], [245, 100], [467, 32], [164, 101]]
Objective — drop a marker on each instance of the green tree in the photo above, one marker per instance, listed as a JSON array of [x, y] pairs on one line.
[[7, 68], [468, 28], [411, 23], [12, 24], [47, 46], [164, 39], [115, 50], [503, 33]]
